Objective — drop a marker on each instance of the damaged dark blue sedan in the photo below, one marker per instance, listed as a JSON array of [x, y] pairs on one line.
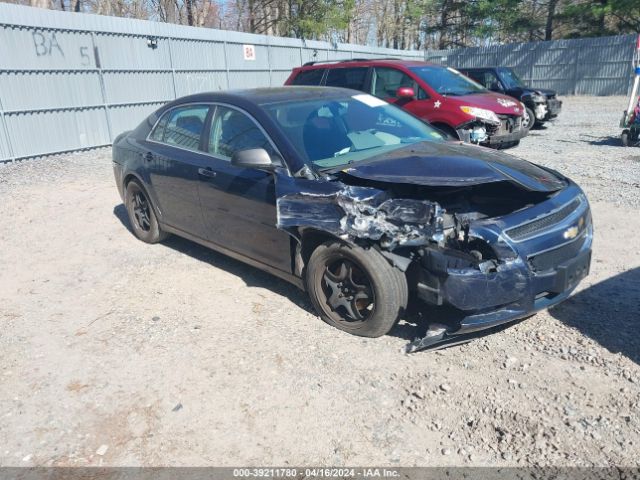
[[363, 205]]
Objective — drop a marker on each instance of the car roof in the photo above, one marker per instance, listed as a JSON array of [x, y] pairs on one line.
[[471, 69], [262, 96]]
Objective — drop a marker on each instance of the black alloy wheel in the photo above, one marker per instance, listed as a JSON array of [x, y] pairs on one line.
[[347, 291], [141, 214], [141, 211], [355, 289]]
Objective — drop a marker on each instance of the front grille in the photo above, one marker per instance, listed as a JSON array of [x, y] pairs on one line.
[[532, 228], [552, 258]]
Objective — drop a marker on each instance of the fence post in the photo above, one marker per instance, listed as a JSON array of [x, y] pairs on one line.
[[576, 56], [103, 90], [226, 63], [173, 68], [269, 61], [5, 128], [532, 62]]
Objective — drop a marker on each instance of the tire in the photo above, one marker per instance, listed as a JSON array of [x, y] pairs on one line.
[[625, 138], [448, 131], [531, 119], [372, 295], [142, 216]]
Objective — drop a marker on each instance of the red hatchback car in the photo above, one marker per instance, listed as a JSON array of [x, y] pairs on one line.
[[440, 95]]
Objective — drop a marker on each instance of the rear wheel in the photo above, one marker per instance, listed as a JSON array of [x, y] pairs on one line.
[[141, 214], [356, 290], [625, 138]]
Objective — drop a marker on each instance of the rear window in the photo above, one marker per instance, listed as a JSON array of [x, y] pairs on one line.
[[309, 77], [181, 126], [347, 77]]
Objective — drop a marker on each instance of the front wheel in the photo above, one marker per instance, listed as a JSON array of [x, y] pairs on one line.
[[529, 119], [141, 214], [625, 138], [356, 290]]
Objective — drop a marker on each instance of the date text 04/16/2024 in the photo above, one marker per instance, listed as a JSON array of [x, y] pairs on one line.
[[292, 473]]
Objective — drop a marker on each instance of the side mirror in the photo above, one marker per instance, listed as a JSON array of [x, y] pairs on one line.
[[496, 87], [253, 158], [405, 92]]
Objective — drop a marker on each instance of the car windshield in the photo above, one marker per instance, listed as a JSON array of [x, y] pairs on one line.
[[510, 78], [331, 133], [447, 81]]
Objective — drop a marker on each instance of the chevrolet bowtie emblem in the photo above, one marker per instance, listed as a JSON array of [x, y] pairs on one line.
[[571, 232]]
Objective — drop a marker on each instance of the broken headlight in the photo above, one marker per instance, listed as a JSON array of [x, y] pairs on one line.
[[538, 98], [541, 111], [481, 113]]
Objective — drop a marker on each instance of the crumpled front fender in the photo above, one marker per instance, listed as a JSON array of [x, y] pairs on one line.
[[352, 212]]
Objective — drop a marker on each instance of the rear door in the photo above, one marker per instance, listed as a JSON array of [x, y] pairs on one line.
[[239, 204], [354, 78], [173, 159]]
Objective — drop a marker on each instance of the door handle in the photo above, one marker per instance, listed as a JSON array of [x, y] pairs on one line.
[[148, 156], [206, 172]]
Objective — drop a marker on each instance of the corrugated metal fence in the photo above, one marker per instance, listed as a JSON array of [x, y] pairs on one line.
[[589, 66], [73, 81]]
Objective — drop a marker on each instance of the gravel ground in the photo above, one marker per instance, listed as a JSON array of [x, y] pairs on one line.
[[115, 352]]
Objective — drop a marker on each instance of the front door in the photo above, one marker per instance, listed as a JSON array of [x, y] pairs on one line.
[[239, 204], [386, 81]]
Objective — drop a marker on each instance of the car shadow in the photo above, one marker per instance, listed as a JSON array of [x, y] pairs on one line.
[[607, 312], [120, 212], [251, 276], [416, 321], [604, 141]]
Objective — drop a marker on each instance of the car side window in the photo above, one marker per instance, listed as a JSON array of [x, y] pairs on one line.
[[353, 78], [181, 126], [232, 131], [488, 80], [309, 77], [386, 81], [158, 130]]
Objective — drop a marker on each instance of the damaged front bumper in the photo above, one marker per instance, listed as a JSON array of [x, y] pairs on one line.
[[534, 280], [538, 293], [508, 131]]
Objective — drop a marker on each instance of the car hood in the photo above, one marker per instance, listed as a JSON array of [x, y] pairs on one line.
[[496, 102], [547, 92], [451, 164], [543, 91]]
